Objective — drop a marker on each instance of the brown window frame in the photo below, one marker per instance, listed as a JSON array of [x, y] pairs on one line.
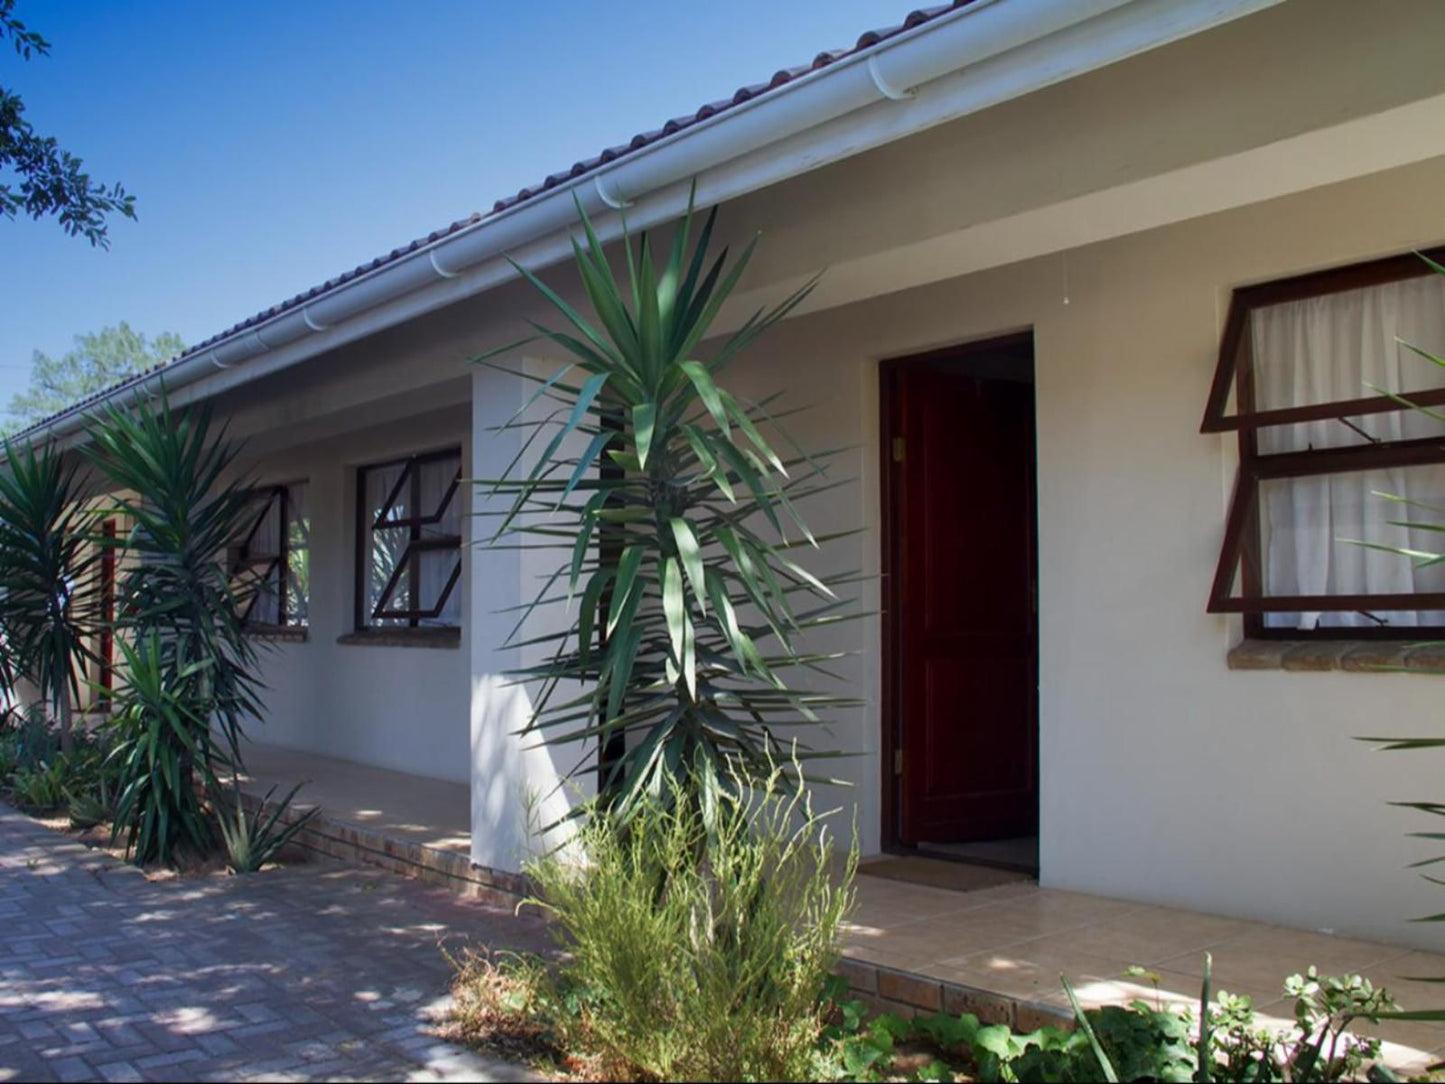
[[410, 557], [280, 561], [1243, 543]]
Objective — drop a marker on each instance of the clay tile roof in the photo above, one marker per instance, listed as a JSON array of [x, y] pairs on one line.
[[604, 157]]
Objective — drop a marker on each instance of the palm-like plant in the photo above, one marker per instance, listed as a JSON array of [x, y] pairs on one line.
[[672, 526], [160, 732], [176, 486], [47, 577]]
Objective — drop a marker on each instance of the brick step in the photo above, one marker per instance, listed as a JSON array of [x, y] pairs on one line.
[[360, 845], [888, 989]]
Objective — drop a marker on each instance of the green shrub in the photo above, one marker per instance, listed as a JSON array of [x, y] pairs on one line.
[[87, 810], [35, 742], [40, 789], [252, 841], [697, 952], [10, 757]]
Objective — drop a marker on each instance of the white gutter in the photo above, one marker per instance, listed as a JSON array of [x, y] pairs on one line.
[[960, 63]]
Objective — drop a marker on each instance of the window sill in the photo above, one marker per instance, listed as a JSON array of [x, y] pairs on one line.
[[445, 638], [1359, 656], [291, 635]]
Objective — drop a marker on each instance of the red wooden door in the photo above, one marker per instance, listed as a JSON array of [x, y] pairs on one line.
[[965, 608], [107, 614]]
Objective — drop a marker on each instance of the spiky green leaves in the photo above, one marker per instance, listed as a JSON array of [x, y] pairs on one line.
[[47, 574], [667, 505], [176, 486]]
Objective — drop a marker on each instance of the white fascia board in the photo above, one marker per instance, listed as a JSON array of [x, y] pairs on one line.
[[1387, 140], [963, 62]]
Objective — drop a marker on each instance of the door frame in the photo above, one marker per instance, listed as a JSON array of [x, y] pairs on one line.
[[891, 683]]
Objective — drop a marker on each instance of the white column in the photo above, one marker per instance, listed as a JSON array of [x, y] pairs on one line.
[[508, 769]]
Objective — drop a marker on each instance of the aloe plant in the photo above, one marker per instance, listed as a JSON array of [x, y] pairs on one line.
[[252, 840], [676, 527]]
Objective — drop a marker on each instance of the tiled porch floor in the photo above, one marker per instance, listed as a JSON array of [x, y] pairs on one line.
[[1012, 940], [431, 812], [1016, 939]]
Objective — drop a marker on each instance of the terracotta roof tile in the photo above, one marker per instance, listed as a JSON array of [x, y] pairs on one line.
[[578, 169]]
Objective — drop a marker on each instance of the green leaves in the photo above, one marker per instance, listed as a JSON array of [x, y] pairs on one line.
[[188, 666], [254, 839], [664, 502], [48, 575], [157, 724]]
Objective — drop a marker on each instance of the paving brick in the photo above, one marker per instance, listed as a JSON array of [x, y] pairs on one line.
[[72, 1068], [119, 1071], [312, 972]]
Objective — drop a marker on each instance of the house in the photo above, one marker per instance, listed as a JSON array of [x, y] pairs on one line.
[[1057, 234]]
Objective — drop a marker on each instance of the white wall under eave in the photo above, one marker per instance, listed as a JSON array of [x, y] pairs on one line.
[[403, 708], [518, 784], [1166, 777]]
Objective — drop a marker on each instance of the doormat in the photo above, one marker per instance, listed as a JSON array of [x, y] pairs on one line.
[[955, 876]]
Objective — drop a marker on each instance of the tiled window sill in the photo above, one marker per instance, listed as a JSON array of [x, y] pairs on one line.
[[445, 638], [1361, 656]]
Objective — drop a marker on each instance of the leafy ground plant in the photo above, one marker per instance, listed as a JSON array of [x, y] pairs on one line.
[[1132, 1042], [40, 789]]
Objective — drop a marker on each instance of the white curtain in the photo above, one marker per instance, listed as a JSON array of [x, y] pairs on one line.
[[1331, 348], [435, 567], [384, 547], [264, 542], [298, 550]]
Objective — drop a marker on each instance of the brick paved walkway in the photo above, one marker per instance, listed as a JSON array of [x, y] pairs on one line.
[[319, 971]]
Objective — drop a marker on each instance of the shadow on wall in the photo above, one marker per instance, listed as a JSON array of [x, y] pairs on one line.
[[511, 770]]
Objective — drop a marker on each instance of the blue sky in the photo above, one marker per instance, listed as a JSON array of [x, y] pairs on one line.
[[271, 145]]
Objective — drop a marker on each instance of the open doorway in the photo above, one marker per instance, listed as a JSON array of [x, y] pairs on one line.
[[960, 654]]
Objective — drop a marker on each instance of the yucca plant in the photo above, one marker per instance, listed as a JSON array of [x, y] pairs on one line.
[[47, 577], [177, 488], [158, 723], [252, 840], [675, 527]]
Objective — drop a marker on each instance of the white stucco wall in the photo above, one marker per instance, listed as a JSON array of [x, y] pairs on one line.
[[404, 708], [1165, 776], [520, 785]]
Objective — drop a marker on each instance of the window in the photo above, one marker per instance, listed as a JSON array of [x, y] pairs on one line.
[[1334, 467], [409, 543], [271, 562]]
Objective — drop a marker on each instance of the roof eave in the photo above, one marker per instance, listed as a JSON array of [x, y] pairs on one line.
[[964, 61]]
